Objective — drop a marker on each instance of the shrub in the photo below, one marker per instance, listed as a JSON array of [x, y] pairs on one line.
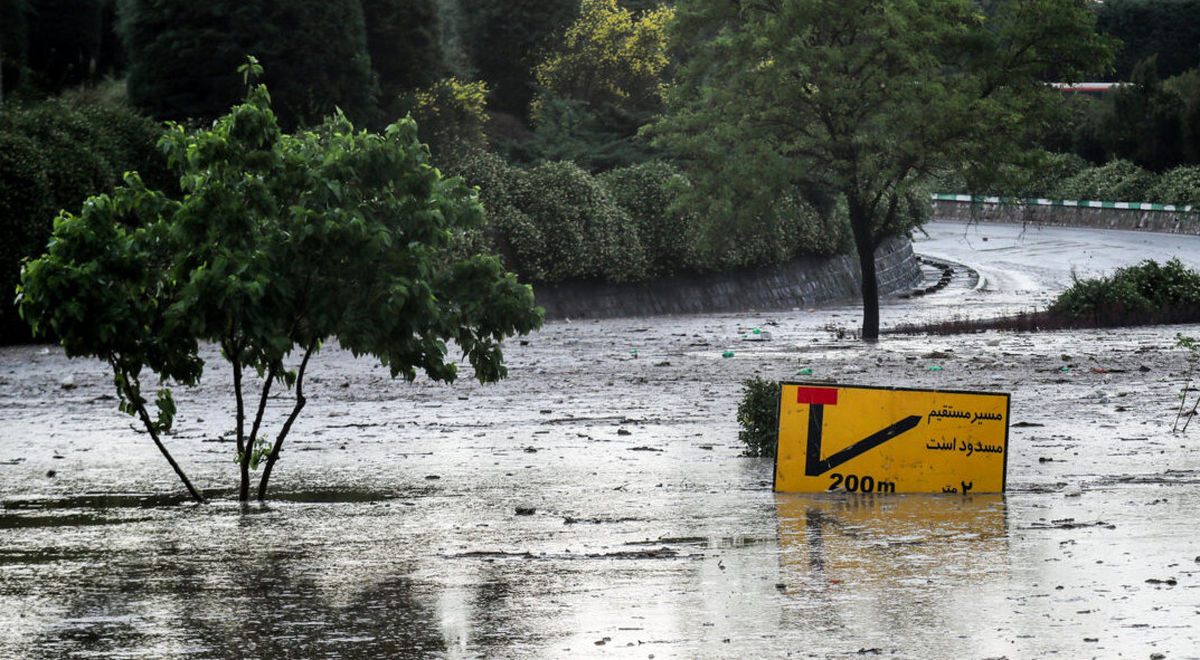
[[1118, 181], [1145, 293], [52, 156], [555, 222], [25, 220], [729, 238], [586, 234], [758, 414], [1180, 186], [513, 235], [645, 192]]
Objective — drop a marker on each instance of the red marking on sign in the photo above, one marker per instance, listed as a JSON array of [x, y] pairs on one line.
[[817, 395]]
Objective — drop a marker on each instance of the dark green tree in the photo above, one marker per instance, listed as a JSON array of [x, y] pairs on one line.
[[64, 42], [279, 243], [862, 99], [182, 55], [1187, 86], [14, 53], [506, 39], [53, 155], [1142, 122], [1169, 29], [405, 44]]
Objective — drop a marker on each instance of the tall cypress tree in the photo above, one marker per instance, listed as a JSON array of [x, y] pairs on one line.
[[506, 38], [183, 56], [405, 43], [13, 42]]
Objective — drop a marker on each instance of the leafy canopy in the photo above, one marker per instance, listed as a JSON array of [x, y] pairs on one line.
[[609, 56]]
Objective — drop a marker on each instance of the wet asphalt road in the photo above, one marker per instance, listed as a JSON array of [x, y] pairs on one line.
[[595, 504]]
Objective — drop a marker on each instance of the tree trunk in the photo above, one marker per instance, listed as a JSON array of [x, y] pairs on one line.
[[243, 450], [287, 426], [864, 242]]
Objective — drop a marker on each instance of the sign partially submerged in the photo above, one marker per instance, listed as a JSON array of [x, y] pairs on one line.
[[890, 440]]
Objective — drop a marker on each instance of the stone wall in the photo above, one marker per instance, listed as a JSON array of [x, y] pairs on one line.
[[803, 283], [1144, 217]]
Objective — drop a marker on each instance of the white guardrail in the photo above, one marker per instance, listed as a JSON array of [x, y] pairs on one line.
[[1132, 206]]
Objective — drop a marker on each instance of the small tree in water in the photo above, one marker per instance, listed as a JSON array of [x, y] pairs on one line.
[[280, 243]]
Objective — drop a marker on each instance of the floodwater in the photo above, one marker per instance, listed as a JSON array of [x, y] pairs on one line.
[[596, 505]]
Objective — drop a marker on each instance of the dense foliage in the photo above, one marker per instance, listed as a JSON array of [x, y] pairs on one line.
[[1068, 177], [1169, 29], [52, 156], [599, 87], [47, 46], [1119, 180], [451, 114], [404, 42], [279, 243], [505, 38], [1152, 122], [182, 56], [647, 193], [555, 222], [1146, 293]]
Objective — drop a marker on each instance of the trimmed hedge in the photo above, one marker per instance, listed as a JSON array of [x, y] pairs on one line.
[[1180, 187], [1118, 181], [645, 191], [53, 156], [555, 222], [585, 235]]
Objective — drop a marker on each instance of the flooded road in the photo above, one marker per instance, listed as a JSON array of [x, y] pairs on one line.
[[596, 505]]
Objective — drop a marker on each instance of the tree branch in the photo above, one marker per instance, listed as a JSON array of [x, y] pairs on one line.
[[133, 395]]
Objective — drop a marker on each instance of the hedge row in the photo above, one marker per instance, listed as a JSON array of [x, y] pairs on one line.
[[1122, 181], [53, 156], [556, 222]]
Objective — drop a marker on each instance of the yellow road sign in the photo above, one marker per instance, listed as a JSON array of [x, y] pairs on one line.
[[890, 440]]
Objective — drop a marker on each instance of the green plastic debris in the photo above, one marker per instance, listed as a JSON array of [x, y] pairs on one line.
[[1065, 369], [935, 368], [804, 372], [757, 331], [633, 352], [727, 354]]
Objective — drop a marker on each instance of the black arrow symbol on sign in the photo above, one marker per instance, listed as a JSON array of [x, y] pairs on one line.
[[815, 466]]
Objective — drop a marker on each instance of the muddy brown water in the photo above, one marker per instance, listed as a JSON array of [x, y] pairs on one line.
[[595, 504]]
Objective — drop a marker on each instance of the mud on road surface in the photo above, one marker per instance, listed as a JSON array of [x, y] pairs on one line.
[[596, 504]]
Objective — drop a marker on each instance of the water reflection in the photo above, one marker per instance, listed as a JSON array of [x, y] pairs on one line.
[[888, 539], [267, 605], [869, 567]]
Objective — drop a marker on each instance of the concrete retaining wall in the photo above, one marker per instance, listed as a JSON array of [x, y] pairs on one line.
[[1098, 215], [802, 283]]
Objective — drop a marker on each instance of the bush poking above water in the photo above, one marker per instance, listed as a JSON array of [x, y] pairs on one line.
[[1146, 294], [758, 414]]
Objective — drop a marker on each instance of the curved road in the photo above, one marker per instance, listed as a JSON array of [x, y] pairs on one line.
[[1024, 267]]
